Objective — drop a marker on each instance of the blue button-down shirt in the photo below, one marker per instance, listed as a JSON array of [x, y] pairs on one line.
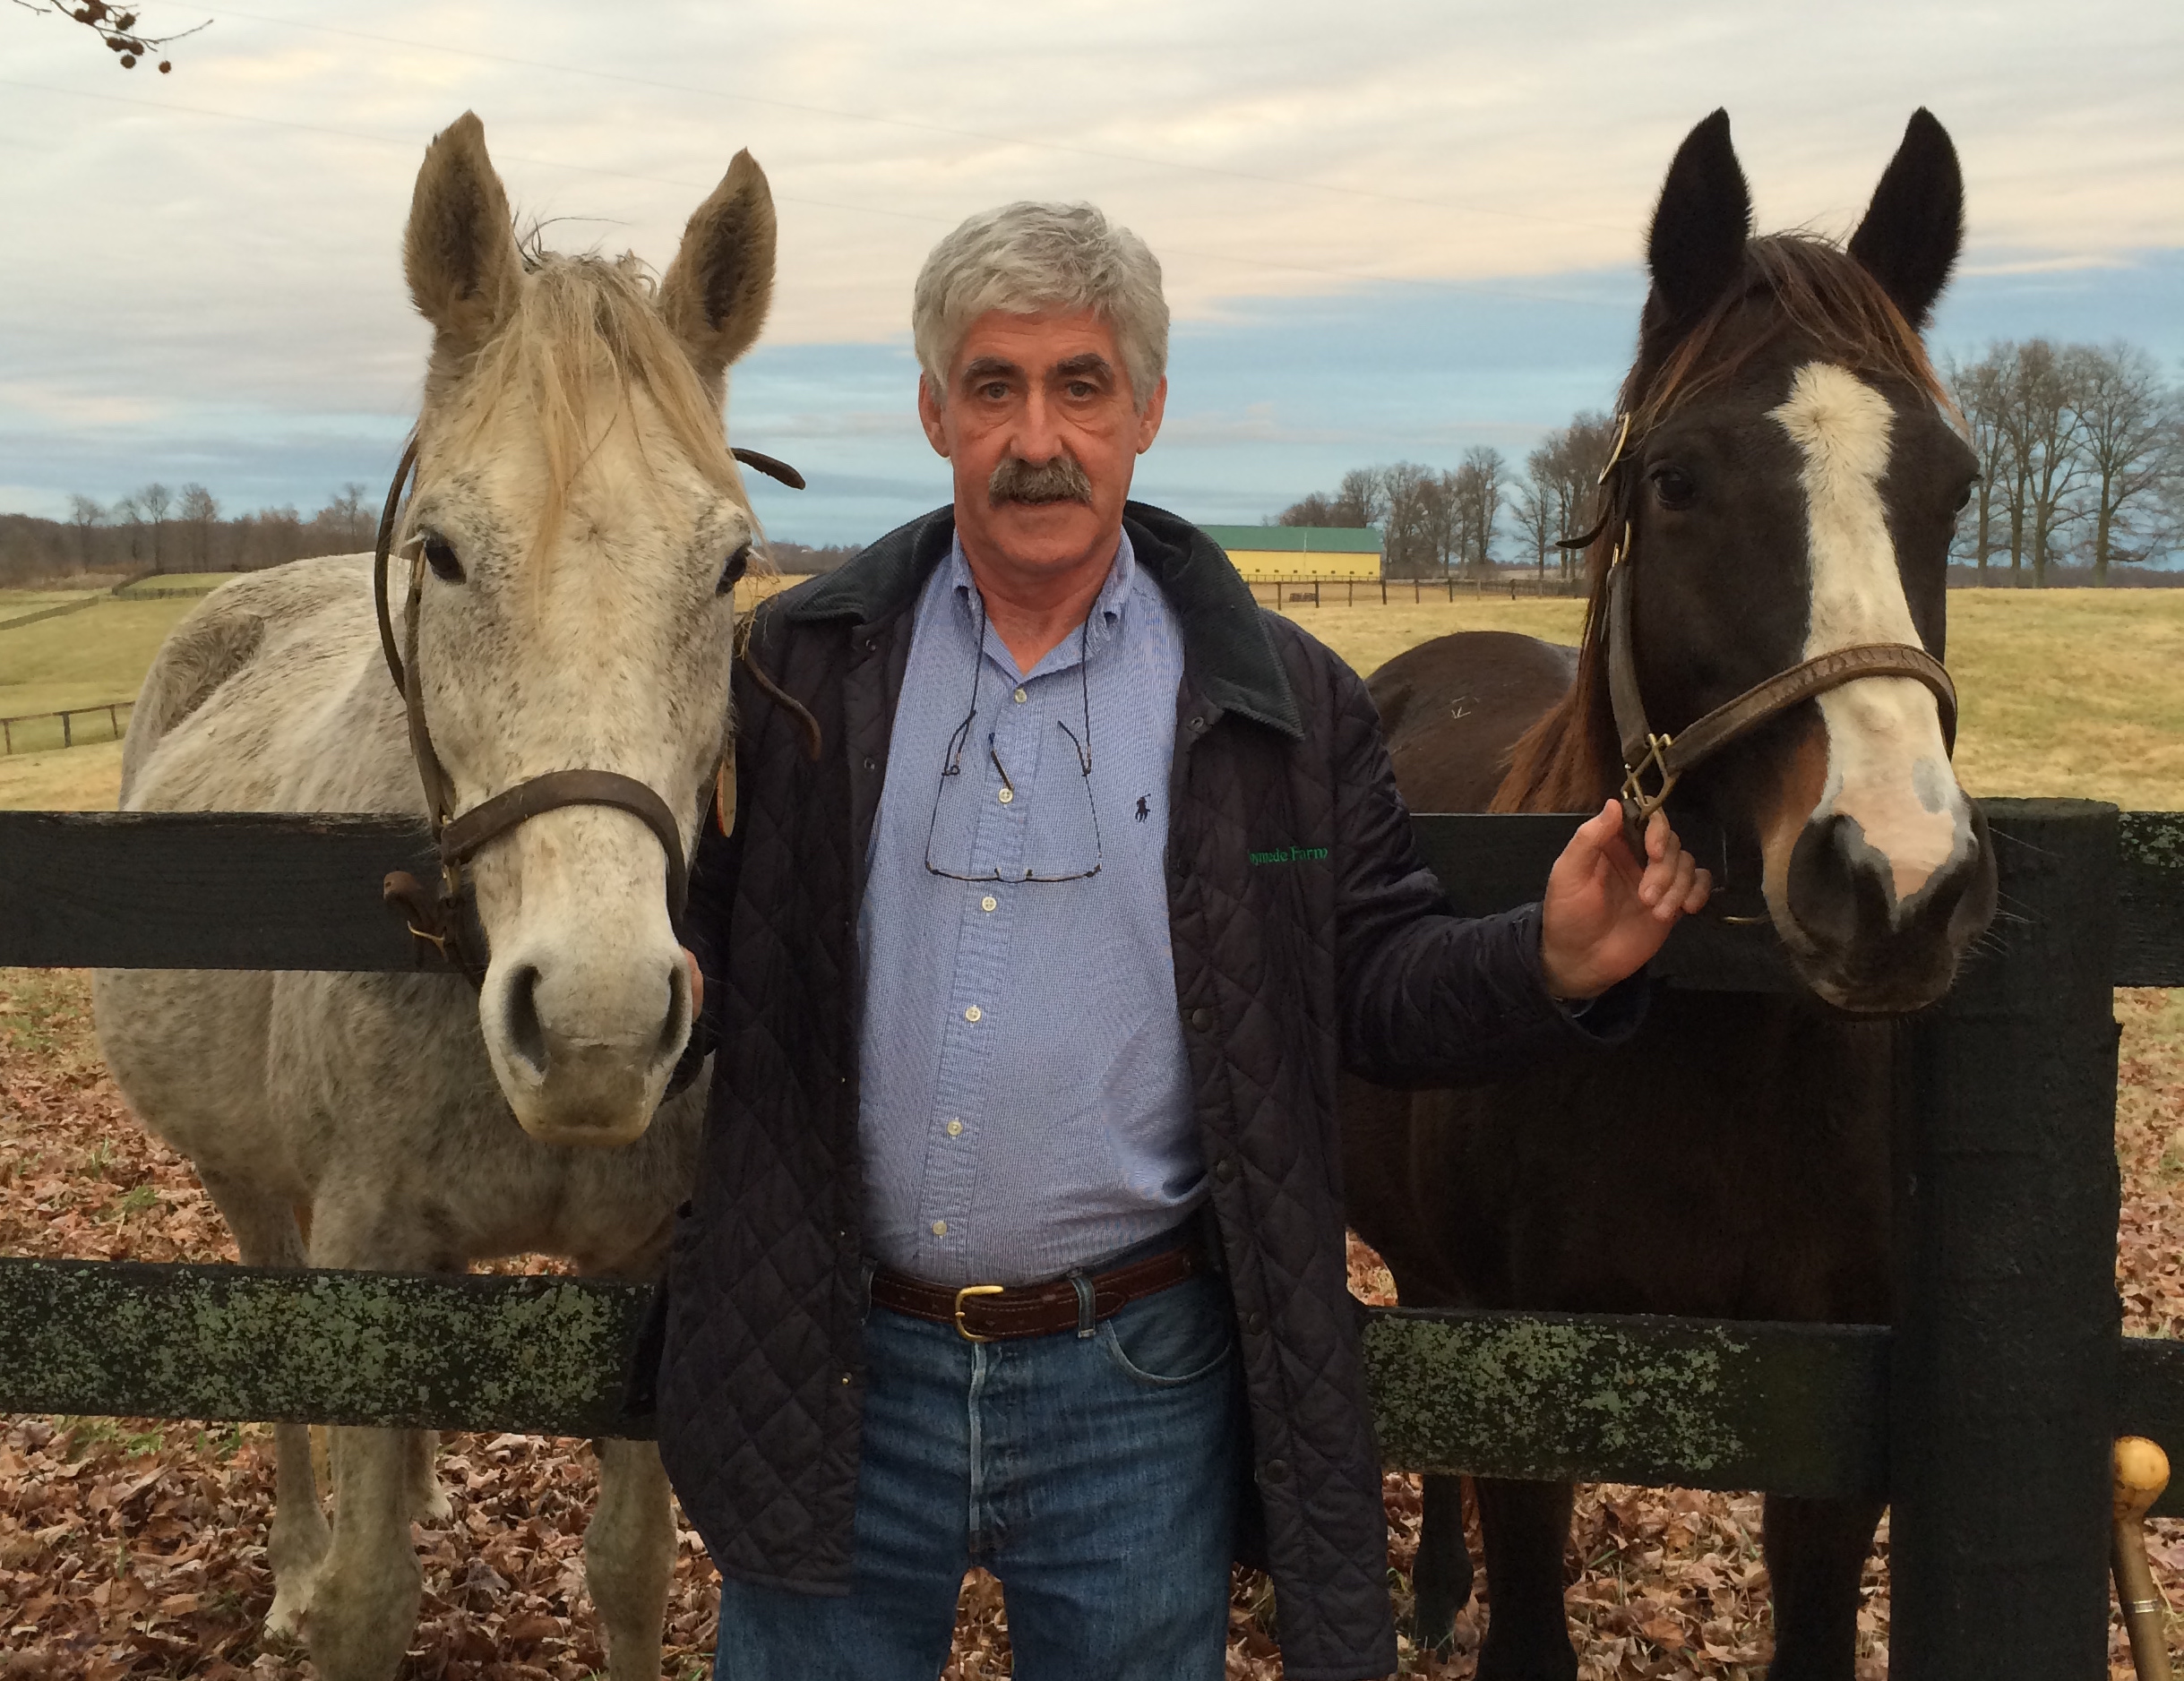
[[1026, 1104]]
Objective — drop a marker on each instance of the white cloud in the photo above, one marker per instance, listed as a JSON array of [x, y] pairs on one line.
[[224, 240]]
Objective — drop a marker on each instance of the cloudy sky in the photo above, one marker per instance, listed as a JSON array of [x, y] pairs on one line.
[[1390, 230]]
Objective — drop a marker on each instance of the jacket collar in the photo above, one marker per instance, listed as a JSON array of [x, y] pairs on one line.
[[1227, 650]]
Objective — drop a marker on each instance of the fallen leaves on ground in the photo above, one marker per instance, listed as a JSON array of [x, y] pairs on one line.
[[137, 1548]]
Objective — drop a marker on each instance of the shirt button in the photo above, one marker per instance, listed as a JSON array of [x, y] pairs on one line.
[[871, 763], [1224, 1169], [1201, 1019], [955, 1129], [939, 1227], [974, 1014], [1007, 794], [988, 902], [1022, 697]]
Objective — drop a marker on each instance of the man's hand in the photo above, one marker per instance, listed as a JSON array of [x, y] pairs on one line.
[[1604, 917], [697, 983]]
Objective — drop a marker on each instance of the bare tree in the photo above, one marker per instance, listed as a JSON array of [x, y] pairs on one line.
[[1475, 490], [1537, 505], [2127, 423], [201, 512], [86, 515], [1315, 509], [1981, 394], [115, 27], [345, 516], [1412, 525], [126, 513], [1363, 496], [155, 499]]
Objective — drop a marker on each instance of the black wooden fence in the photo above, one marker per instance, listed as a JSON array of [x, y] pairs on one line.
[[1985, 1415]]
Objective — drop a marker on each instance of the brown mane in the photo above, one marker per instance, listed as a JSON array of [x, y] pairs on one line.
[[1569, 761]]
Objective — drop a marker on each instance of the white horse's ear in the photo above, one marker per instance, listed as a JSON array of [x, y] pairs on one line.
[[717, 290], [460, 251]]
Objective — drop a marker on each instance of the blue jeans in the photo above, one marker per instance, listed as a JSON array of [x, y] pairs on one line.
[[1096, 1476]]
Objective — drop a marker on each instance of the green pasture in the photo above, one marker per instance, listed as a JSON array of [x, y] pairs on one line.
[[2065, 692]]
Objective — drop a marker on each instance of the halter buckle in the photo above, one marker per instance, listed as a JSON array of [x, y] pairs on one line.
[[1635, 796]]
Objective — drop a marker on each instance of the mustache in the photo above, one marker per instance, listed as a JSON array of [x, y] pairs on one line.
[[1062, 479]]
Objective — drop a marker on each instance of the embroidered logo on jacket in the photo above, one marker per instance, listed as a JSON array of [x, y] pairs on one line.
[[1292, 856]]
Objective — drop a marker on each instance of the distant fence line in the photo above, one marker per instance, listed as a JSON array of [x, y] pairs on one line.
[[52, 613], [1347, 592], [15, 737]]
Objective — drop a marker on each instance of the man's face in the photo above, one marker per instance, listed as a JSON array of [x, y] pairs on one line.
[[1041, 428]]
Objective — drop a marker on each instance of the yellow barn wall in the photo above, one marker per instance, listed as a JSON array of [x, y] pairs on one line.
[[1269, 565]]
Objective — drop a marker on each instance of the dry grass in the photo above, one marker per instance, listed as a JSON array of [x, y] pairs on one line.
[[2066, 693], [77, 779], [83, 659]]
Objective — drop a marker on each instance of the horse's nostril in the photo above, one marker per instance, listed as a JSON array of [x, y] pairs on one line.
[[526, 1033], [1838, 885], [675, 1029]]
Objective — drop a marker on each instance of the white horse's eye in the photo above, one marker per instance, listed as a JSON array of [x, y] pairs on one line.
[[440, 555], [738, 563]]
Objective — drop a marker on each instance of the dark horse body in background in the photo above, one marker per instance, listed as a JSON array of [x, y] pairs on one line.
[[1789, 487]]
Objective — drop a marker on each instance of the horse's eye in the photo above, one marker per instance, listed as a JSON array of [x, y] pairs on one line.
[[1964, 500], [738, 563], [1672, 487], [440, 555]]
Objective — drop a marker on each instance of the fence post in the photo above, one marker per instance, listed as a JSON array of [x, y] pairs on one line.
[[1315, 592], [67, 733], [2004, 1380]]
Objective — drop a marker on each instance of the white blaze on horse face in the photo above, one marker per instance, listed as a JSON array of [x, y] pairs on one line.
[[1888, 764]]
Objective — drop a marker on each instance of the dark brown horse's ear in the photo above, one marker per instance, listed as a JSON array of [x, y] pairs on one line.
[[1696, 250], [716, 290], [459, 251], [1915, 226]]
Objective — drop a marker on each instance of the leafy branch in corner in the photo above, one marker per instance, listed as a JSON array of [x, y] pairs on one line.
[[114, 26]]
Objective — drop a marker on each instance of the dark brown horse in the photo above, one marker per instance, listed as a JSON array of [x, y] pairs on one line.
[[1788, 488]]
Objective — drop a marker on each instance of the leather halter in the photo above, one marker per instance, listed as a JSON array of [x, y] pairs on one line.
[[1661, 759], [438, 919]]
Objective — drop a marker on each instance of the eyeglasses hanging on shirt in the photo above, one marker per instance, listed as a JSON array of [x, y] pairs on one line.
[[979, 834]]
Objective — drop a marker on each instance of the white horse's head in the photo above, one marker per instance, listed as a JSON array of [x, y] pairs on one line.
[[580, 525]]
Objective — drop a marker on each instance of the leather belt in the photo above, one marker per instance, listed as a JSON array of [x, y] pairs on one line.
[[993, 1313]]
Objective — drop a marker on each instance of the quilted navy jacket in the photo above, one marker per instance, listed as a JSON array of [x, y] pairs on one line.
[[1341, 955]]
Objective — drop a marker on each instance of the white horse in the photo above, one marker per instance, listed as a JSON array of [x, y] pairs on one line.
[[575, 532]]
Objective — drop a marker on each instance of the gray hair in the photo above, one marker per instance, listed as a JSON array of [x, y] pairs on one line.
[[1026, 257]]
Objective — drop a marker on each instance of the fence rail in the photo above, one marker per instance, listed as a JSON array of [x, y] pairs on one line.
[[17, 736], [1985, 1414], [1282, 593]]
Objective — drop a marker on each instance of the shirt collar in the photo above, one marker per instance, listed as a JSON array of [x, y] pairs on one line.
[[1106, 612]]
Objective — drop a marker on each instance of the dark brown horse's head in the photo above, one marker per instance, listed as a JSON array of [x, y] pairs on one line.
[[1790, 487]]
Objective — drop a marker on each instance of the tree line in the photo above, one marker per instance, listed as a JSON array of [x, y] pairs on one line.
[[159, 529], [2081, 458]]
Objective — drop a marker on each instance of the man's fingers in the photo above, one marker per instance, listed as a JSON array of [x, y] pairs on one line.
[[1664, 851], [697, 981], [1678, 890], [1702, 889]]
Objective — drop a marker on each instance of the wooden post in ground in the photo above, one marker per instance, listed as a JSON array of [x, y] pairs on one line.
[[2004, 1387], [67, 732]]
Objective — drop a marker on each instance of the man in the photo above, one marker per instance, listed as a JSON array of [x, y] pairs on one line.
[[1065, 882]]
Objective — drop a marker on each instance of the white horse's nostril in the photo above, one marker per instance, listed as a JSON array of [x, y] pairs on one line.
[[526, 1033], [674, 1031]]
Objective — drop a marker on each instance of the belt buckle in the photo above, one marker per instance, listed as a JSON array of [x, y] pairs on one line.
[[969, 1334]]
